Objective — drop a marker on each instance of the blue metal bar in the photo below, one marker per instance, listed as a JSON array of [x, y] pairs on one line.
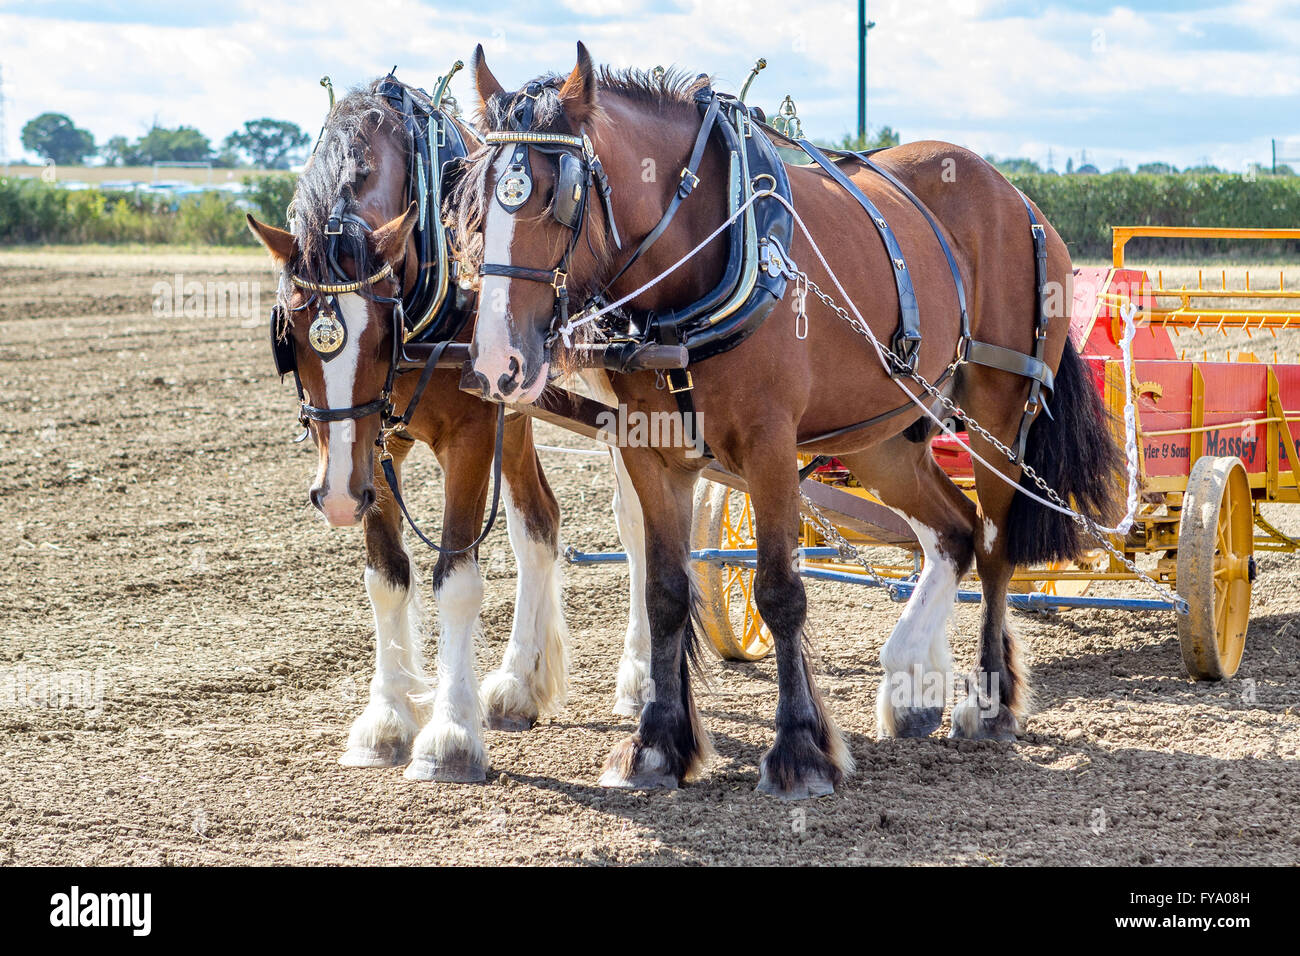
[[747, 558]]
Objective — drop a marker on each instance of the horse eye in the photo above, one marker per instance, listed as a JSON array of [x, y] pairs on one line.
[[550, 194]]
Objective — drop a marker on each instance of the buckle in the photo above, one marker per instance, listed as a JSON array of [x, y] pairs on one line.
[[690, 384], [337, 223], [686, 185], [559, 283]]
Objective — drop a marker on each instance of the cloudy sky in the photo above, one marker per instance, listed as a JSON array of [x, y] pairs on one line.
[[1183, 82]]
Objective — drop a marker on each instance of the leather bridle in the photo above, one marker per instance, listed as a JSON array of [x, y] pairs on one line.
[[391, 423], [592, 175], [578, 171]]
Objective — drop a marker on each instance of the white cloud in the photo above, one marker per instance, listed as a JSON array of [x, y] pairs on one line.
[[1062, 79]]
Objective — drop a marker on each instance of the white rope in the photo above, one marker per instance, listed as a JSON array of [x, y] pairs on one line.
[[1130, 425], [586, 318], [572, 451], [915, 399], [1127, 312]]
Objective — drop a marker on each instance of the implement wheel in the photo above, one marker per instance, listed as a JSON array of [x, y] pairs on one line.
[[724, 518], [1216, 544]]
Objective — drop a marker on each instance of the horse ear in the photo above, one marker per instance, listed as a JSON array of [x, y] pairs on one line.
[[486, 83], [390, 238], [283, 246], [579, 91]]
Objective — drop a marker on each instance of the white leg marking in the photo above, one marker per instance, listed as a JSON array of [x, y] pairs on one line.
[[634, 669], [534, 674], [916, 656], [990, 535], [382, 735], [338, 506], [454, 733]]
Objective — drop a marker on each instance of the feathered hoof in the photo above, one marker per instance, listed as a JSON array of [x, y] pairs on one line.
[[917, 721], [457, 768], [513, 723], [395, 755], [970, 722], [798, 768], [633, 766], [614, 780], [810, 785]]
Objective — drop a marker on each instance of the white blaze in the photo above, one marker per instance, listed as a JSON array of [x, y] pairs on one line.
[[492, 332], [340, 372]]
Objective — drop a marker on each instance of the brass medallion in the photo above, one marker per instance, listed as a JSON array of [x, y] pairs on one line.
[[326, 335]]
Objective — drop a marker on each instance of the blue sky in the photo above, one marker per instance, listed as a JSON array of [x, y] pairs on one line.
[[1184, 82]]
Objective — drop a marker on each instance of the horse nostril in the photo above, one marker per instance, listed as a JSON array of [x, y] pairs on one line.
[[367, 499], [508, 383], [315, 496]]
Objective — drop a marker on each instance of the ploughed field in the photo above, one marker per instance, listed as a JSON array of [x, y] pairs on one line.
[[184, 643]]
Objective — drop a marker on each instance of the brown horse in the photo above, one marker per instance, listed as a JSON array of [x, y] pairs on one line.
[[783, 386], [361, 160]]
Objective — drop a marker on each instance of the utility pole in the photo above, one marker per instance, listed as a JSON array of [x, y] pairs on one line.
[[863, 26], [1274, 142]]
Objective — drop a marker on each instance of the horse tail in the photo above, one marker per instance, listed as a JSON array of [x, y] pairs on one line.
[[1075, 452]]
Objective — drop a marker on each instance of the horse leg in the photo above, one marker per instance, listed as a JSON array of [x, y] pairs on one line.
[[997, 695], [381, 736], [808, 758], [450, 748], [916, 658], [669, 744], [634, 668], [533, 677]]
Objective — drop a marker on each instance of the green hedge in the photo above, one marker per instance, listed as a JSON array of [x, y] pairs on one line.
[[35, 212], [1083, 208]]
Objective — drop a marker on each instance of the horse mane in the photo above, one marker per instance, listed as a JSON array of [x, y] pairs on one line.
[[466, 207], [337, 168]]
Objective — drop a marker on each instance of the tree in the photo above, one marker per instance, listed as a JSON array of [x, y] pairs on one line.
[[1015, 165], [267, 142], [882, 140], [1156, 169], [54, 137], [117, 152], [184, 144]]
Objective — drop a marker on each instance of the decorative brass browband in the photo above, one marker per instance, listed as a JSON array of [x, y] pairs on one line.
[[342, 287], [559, 139]]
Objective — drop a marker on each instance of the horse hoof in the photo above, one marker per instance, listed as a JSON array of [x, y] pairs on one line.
[[643, 780], [513, 723], [455, 769], [810, 785], [968, 723], [370, 757], [917, 721]]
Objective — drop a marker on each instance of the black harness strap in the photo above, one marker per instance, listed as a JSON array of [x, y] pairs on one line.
[[687, 182], [390, 476], [938, 234], [905, 347]]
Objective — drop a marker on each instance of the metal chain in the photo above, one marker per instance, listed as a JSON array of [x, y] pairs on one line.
[[847, 551], [1089, 526]]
